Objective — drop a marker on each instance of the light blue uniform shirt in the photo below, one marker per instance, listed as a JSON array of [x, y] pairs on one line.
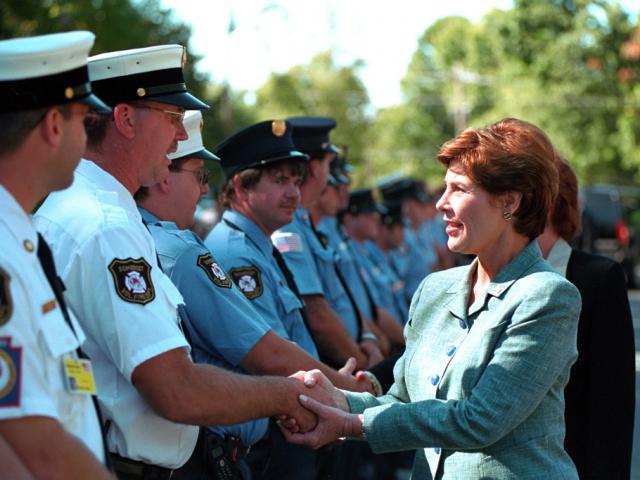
[[245, 251], [398, 303], [314, 269], [414, 261], [346, 264], [222, 325]]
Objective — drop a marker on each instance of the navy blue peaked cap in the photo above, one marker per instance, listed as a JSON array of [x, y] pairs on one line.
[[361, 201], [399, 189], [260, 144], [393, 216], [311, 135]]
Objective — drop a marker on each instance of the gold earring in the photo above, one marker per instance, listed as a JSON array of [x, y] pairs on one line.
[[507, 215]]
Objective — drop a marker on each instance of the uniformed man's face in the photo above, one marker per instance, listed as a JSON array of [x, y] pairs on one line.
[[392, 235], [367, 224], [160, 131], [272, 202], [186, 189], [72, 146], [330, 201]]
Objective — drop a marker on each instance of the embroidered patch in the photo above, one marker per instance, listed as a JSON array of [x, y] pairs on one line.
[[214, 271], [6, 304], [287, 242], [132, 279], [249, 281], [10, 373]]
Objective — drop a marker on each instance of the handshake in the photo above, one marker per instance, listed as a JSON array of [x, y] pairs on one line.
[[322, 416]]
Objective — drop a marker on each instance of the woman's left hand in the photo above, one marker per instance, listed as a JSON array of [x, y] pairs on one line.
[[333, 424]]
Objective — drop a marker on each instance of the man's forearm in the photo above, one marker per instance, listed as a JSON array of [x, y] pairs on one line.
[[47, 450]]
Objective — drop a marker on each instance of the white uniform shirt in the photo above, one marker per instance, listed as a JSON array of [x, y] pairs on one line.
[[34, 336], [127, 306]]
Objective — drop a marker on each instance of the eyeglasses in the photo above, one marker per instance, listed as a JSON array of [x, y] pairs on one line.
[[177, 117], [201, 175]]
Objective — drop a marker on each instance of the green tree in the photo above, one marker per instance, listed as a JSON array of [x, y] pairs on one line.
[[326, 89]]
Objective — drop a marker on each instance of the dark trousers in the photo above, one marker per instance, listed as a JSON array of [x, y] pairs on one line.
[[273, 458]]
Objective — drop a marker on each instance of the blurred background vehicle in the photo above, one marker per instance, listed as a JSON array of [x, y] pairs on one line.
[[611, 226]]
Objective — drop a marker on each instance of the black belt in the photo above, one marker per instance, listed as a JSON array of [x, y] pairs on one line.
[[141, 470]]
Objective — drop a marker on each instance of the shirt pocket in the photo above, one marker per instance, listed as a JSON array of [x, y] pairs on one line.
[[289, 303], [57, 343]]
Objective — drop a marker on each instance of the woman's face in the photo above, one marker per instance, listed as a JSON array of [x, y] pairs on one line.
[[473, 217]]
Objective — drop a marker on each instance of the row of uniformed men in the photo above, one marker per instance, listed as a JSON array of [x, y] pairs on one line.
[[138, 330]]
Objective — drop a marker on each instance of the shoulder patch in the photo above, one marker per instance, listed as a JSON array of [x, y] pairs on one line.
[[287, 242], [214, 271], [249, 281], [6, 304], [132, 279], [10, 373]]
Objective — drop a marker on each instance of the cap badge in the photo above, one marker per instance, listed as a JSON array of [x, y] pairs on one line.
[[141, 92], [278, 127], [68, 93]]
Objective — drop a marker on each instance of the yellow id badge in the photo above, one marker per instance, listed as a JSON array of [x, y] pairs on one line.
[[79, 375]]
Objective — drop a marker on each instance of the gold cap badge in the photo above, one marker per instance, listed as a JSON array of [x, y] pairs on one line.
[[278, 127], [68, 93], [141, 92]]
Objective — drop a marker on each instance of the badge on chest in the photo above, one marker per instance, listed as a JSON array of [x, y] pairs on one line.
[[78, 373]]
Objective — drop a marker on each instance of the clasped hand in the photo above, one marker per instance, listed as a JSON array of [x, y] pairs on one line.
[[330, 406]]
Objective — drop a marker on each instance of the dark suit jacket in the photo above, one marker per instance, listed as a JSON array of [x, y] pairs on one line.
[[600, 395]]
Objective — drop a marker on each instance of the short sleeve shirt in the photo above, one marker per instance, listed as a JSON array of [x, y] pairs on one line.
[[245, 252], [126, 304], [223, 325], [313, 267], [34, 336], [347, 266]]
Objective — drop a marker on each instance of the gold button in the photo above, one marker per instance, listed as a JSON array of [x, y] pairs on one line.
[[68, 93], [141, 92], [28, 245]]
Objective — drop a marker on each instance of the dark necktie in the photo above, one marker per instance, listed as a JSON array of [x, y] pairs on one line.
[[57, 285], [288, 276], [352, 301]]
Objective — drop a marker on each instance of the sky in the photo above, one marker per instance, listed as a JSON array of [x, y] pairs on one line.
[[274, 35]]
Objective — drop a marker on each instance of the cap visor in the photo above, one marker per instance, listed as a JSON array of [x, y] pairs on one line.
[[204, 154], [180, 99], [95, 104]]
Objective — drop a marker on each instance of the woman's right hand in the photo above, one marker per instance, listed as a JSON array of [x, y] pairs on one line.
[[333, 425]]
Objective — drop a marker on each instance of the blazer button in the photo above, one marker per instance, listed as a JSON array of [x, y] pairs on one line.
[[463, 324], [434, 379], [451, 349], [437, 450]]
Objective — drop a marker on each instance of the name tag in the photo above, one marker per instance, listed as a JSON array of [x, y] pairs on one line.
[[79, 375]]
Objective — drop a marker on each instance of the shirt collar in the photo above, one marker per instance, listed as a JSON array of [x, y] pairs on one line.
[[302, 214], [251, 230], [559, 255], [148, 217], [21, 226]]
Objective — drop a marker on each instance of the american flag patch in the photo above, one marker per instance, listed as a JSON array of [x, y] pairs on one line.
[[287, 242]]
